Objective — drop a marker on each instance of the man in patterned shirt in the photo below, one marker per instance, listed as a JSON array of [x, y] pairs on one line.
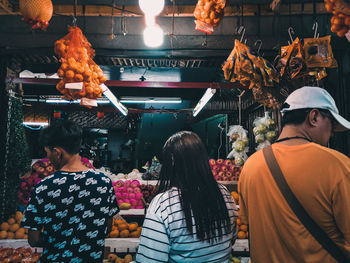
[[71, 211]]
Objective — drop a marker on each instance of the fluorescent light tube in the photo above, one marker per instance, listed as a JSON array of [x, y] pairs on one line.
[[109, 95], [35, 123], [61, 101], [151, 100], [209, 93]]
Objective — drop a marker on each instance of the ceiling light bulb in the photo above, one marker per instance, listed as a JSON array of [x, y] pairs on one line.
[[151, 7], [153, 36]]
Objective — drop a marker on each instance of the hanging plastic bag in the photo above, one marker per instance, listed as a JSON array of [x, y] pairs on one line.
[[318, 53], [264, 131], [240, 142], [208, 14], [81, 76]]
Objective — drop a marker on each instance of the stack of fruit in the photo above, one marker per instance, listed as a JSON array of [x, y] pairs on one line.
[[242, 230], [128, 194], [113, 258], [123, 229], [148, 191], [40, 170], [12, 230], [208, 14], [18, 255], [224, 170], [264, 131], [341, 16]]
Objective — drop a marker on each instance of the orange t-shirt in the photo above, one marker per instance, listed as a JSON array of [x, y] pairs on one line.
[[320, 179]]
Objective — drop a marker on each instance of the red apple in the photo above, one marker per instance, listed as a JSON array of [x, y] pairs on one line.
[[225, 178], [218, 177], [49, 169], [216, 168], [214, 172], [220, 161], [45, 163], [231, 168], [212, 162], [227, 162], [221, 173], [224, 168], [229, 174], [34, 175], [40, 170]]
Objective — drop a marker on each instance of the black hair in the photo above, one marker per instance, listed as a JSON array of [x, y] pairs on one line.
[[186, 166], [294, 117], [62, 133], [297, 117]]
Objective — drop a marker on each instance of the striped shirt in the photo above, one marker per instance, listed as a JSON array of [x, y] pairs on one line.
[[165, 238]]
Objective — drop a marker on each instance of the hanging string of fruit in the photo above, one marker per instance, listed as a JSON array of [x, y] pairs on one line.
[[340, 22], [77, 66], [37, 13], [208, 14]]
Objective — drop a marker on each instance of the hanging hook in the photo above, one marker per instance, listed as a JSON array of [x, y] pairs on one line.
[[259, 41], [290, 32], [315, 29], [241, 29], [74, 22]]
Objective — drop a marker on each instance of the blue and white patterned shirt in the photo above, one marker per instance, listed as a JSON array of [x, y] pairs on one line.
[[165, 237], [73, 209]]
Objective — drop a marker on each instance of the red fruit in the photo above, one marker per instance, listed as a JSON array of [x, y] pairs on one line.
[[35, 175], [45, 173], [143, 186], [228, 162], [212, 162], [36, 165], [45, 163], [225, 178], [40, 170], [150, 187], [216, 168], [214, 172], [229, 174], [218, 178], [224, 168], [49, 169], [220, 161], [221, 173], [231, 168]]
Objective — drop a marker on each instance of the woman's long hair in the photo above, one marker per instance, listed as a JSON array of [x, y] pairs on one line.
[[185, 165]]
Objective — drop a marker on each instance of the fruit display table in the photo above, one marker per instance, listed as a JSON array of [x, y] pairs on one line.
[[17, 243]]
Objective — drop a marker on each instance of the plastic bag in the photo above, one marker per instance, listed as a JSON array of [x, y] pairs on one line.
[[208, 14], [238, 135], [318, 53], [78, 67], [264, 131]]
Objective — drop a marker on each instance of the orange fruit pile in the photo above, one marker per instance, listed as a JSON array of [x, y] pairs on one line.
[[242, 230], [123, 229], [11, 229], [115, 259], [76, 55], [340, 22]]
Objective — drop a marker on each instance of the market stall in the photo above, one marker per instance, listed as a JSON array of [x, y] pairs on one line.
[[226, 87]]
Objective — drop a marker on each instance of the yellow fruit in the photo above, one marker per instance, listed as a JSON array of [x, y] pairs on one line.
[[19, 233], [10, 235], [19, 216], [3, 234], [4, 226], [11, 221], [124, 206], [13, 228], [124, 233]]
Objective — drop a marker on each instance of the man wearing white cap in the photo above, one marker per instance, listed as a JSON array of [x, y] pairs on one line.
[[295, 195]]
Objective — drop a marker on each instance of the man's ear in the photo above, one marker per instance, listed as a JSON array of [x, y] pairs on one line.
[[58, 151], [313, 117]]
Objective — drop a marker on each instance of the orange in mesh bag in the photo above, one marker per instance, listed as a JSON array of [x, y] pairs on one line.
[[208, 14], [78, 67]]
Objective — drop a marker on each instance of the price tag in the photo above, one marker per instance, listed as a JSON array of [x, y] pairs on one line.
[[75, 85], [88, 102]]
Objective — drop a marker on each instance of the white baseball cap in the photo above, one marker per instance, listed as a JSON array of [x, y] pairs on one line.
[[315, 98]]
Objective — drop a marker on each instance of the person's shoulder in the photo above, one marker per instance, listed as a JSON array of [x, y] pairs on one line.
[[99, 175], [255, 159], [333, 155], [162, 199]]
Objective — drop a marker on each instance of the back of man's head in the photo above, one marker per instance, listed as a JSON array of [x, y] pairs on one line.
[[65, 134], [300, 102]]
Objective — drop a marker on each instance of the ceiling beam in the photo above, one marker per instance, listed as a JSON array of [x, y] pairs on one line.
[[179, 10], [138, 84]]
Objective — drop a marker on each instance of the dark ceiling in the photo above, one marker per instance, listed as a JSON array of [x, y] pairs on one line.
[[186, 54]]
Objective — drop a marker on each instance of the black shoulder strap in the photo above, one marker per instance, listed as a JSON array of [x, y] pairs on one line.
[[299, 210]]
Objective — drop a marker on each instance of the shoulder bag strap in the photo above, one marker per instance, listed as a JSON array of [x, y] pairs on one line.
[[327, 243]]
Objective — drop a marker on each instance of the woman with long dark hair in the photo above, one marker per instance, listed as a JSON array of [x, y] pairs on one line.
[[193, 218]]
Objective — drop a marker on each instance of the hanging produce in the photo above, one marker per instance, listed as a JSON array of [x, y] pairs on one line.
[[264, 131], [240, 142], [340, 22], [78, 67], [318, 53], [208, 14], [37, 13], [252, 71]]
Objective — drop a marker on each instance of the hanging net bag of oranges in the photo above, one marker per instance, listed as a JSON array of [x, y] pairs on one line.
[[80, 76]]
